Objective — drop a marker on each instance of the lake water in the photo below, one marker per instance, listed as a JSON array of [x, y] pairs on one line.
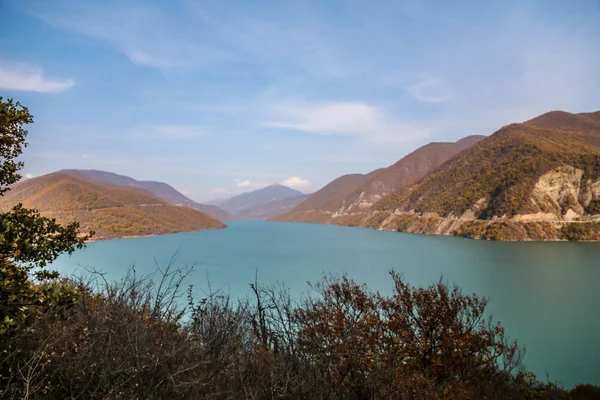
[[547, 295]]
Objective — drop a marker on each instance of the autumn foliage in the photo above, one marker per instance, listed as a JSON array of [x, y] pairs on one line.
[[149, 337]]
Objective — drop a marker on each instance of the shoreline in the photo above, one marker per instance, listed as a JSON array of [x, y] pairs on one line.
[[505, 230], [101, 239]]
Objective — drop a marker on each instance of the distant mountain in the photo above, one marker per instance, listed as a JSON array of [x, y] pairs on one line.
[[242, 205], [160, 189], [111, 211], [271, 208], [357, 193]]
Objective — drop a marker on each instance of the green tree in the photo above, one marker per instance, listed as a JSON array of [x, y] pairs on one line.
[[28, 241]]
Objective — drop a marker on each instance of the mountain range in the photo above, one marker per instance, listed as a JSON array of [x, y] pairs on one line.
[[159, 189], [357, 192], [537, 180], [110, 210], [263, 203]]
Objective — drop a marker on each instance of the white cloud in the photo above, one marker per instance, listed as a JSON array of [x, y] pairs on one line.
[[296, 182], [84, 156], [345, 118], [430, 90], [246, 183], [27, 176], [29, 78]]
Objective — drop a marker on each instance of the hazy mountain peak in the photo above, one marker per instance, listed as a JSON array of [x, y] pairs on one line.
[[244, 201]]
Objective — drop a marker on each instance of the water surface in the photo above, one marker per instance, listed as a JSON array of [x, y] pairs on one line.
[[545, 294]]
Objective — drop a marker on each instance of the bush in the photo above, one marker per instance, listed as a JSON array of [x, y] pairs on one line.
[[143, 338]]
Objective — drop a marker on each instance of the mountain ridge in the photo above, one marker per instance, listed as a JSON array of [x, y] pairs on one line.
[[160, 189], [111, 211], [239, 205], [536, 180], [358, 192]]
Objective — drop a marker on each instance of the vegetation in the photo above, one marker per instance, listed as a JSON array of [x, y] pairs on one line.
[[505, 167], [477, 193], [347, 192], [581, 232], [28, 241], [161, 190], [88, 337], [110, 211], [135, 339]]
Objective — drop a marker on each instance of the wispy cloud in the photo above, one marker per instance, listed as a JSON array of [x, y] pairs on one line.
[[430, 90], [345, 118], [29, 78], [296, 182], [140, 30]]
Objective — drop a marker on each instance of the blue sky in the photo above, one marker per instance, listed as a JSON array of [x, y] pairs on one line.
[[221, 97]]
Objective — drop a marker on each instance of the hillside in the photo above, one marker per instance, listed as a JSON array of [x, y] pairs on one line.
[[160, 189], [239, 205], [535, 180], [110, 211], [318, 206], [357, 193]]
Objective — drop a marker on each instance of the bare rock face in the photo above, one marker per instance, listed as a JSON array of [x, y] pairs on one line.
[[560, 190], [558, 199], [585, 194]]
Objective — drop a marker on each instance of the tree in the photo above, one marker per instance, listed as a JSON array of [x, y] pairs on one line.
[[28, 241], [13, 116], [434, 341]]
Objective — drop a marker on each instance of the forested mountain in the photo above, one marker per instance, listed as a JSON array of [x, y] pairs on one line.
[[160, 189], [537, 180], [357, 193], [111, 211]]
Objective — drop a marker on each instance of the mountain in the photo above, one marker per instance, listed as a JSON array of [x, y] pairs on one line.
[[319, 206], [111, 211], [357, 193], [271, 208], [537, 180], [241, 204], [160, 189]]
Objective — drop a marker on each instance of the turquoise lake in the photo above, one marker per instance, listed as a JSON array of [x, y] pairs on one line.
[[547, 295]]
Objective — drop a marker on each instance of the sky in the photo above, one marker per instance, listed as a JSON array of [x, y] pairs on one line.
[[222, 97]]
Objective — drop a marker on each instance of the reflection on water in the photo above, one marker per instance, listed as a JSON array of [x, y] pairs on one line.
[[544, 293]]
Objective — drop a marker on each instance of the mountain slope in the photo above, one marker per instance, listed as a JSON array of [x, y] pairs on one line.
[[357, 193], [321, 203], [159, 189], [237, 205], [110, 211], [536, 180]]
